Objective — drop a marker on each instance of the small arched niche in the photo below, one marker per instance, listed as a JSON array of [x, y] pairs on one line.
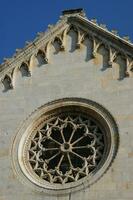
[[88, 44], [7, 82], [119, 67], [103, 57], [24, 69], [38, 59], [72, 38], [41, 58], [58, 46]]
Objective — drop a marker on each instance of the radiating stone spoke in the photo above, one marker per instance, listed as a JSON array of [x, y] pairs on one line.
[[61, 159], [48, 160], [61, 132], [78, 155], [72, 135], [66, 149], [69, 159], [50, 149], [78, 140], [82, 147], [55, 141]]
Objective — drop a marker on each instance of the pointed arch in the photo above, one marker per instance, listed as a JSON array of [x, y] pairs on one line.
[[74, 34], [41, 56], [59, 41], [120, 60], [88, 43], [24, 69], [103, 51], [7, 82]]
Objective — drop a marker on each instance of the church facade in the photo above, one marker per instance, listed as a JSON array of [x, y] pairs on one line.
[[66, 114]]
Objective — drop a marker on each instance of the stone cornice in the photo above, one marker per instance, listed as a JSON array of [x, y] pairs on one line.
[[103, 33], [99, 36], [44, 37], [31, 47]]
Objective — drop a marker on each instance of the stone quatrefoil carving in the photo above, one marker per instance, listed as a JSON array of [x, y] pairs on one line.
[[66, 149], [41, 52]]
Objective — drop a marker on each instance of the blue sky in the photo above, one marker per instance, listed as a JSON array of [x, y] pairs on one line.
[[20, 20]]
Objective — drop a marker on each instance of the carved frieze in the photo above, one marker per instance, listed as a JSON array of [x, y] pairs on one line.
[[58, 33]]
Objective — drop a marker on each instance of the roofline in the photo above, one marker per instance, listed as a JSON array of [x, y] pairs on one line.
[[105, 33], [73, 11], [76, 16]]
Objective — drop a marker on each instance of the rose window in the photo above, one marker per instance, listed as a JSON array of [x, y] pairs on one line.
[[67, 144], [66, 149]]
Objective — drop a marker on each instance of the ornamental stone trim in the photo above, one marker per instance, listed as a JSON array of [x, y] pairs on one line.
[[84, 27], [65, 145]]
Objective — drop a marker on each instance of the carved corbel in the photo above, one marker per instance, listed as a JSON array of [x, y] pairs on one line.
[[46, 51], [63, 36], [96, 45], [24, 68], [81, 37], [129, 64], [78, 44], [112, 56]]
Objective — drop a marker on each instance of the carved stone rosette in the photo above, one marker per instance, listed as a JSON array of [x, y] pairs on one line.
[[65, 145]]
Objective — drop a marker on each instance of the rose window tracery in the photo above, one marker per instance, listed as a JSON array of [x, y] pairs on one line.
[[66, 148], [65, 145]]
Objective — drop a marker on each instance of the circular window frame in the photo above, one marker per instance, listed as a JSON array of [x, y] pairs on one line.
[[36, 119]]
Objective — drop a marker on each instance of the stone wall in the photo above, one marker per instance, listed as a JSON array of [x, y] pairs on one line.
[[69, 73]]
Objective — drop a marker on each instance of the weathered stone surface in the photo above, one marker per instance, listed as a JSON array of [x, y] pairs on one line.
[[70, 73]]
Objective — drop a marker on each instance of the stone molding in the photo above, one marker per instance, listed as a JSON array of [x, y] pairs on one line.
[[99, 36], [17, 153]]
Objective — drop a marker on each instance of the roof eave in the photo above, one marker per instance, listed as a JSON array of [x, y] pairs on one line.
[[106, 34]]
